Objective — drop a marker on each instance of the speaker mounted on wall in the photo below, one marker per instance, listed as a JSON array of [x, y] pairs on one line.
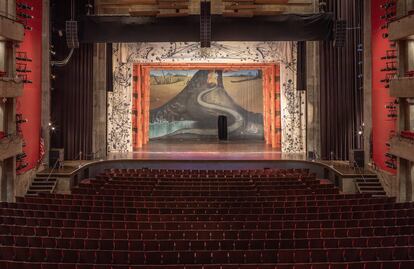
[[109, 67], [72, 40], [205, 23], [301, 67], [339, 34]]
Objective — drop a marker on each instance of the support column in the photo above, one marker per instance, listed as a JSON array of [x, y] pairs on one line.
[[313, 136], [265, 106], [45, 107], [99, 101], [9, 165], [278, 122], [137, 106], [367, 82], [272, 109], [405, 182]]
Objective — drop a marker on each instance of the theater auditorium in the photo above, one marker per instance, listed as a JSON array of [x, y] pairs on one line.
[[206, 134]]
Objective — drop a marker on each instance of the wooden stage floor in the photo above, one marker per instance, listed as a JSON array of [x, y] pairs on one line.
[[206, 150], [209, 151]]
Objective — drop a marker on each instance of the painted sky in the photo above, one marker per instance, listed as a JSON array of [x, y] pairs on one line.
[[190, 73]]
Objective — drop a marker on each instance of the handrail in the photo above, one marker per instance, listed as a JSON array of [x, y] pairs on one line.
[[9, 16]]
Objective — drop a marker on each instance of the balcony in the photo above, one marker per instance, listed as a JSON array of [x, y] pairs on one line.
[[10, 88], [11, 29], [402, 148], [403, 28], [402, 87], [10, 147]]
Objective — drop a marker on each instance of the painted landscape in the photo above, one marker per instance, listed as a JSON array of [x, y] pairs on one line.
[[185, 104]]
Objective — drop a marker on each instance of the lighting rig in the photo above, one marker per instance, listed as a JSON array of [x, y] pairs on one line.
[[20, 158], [23, 62], [389, 70], [23, 15], [391, 160]]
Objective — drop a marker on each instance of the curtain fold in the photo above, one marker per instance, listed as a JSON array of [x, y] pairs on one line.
[[72, 105], [72, 89], [341, 80]]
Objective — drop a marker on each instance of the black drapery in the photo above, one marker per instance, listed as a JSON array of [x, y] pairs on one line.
[[72, 88], [284, 27], [341, 70], [301, 67]]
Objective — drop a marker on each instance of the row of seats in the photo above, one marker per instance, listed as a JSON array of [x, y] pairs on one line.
[[237, 244], [196, 204], [350, 265], [214, 210], [209, 225], [205, 257], [308, 197], [393, 213], [206, 234], [273, 171], [126, 192]]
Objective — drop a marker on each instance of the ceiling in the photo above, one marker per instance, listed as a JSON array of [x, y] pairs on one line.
[[181, 8]]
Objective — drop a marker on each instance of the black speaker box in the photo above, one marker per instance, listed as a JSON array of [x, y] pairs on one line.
[[311, 155], [56, 157], [356, 158], [222, 127]]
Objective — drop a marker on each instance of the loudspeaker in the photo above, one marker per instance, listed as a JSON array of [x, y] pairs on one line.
[[109, 68], [301, 67], [56, 157], [311, 155], [356, 158], [205, 24], [340, 34], [72, 34], [222, 127]]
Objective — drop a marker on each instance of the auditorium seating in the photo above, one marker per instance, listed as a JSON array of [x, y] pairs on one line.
[[206, 219]]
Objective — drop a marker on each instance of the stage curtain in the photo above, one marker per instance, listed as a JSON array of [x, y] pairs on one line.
[[341, 94], [292, 102], [72, 105], [72, 88]]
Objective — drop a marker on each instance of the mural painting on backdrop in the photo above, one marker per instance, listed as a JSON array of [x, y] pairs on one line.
[[125, 55], [185, 104]]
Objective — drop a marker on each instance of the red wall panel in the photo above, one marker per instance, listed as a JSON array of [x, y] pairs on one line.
[[30, 103], [381, 124]]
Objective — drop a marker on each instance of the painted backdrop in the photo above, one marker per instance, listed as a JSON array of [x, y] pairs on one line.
[[185, 104]]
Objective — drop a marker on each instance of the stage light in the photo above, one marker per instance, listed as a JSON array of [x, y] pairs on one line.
[[20, 120], [21, 156], [28, 28], [322, 7], [25, 15], [22, 166], [387, 5], [24, 6]]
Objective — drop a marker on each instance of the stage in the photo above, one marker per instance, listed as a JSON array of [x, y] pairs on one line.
[[206, 150], [210, 155]]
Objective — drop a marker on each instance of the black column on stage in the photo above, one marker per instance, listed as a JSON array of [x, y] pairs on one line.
[[222, 127]]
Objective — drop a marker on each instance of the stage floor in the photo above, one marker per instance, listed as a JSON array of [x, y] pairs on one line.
[[206, 150]]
